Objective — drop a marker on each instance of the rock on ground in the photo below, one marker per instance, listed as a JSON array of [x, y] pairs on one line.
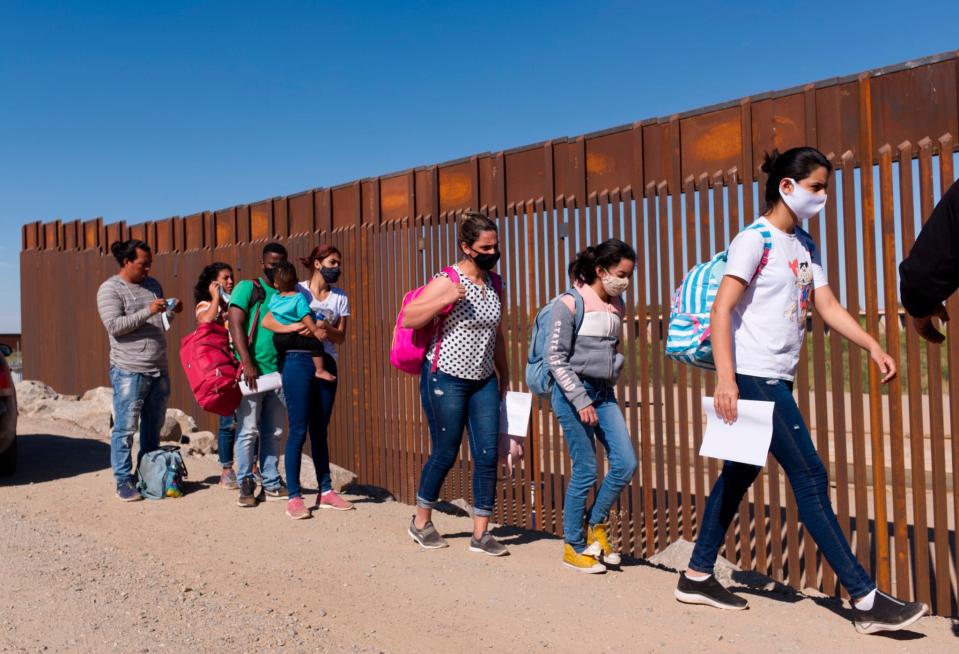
[[93, 412], [341, 477], [32, 395], [677, 555], [101, 395], [201, 442]]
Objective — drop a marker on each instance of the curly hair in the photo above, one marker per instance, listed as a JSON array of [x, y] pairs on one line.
[[201, 292]]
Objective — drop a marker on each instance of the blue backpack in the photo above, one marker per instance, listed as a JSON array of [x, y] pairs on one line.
[[687, 339], [538, 376], [160, 473]]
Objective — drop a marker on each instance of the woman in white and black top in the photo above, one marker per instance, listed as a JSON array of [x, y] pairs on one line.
[[758, 325], [462, 380], [212, 294]]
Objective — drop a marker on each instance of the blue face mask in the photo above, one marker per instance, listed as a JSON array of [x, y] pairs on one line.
[[330, 275]]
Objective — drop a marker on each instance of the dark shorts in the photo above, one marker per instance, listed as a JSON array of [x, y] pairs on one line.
[[286, 342]]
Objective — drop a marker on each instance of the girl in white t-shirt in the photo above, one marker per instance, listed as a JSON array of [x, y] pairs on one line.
[[309, 399], [758, 324]]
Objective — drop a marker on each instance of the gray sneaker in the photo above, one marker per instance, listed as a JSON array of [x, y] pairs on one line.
[[488, 545], [427, 537]]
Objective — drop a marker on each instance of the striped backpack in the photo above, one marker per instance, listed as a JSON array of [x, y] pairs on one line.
[[687, 340]]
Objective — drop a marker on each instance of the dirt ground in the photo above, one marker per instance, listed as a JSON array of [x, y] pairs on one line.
[[82, 572]]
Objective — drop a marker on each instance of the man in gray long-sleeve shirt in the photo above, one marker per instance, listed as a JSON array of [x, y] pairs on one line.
[[130, 305]]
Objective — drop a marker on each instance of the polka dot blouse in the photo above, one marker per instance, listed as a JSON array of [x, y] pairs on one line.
[[469, 332]]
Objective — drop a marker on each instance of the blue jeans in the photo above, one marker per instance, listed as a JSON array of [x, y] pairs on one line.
[[138, 399], [309, 402], [452, 403], [225, 436], [795, 452], [260, 419], [581, 441]]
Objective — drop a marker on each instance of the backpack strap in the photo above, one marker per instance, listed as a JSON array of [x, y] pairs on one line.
[[454, 277], [579, 311], [497, 282], [580, 308], [258, 296], [767, 247], [807, 241], [450, 272]]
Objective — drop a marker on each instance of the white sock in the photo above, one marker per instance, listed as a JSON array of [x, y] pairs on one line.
[[697, 578], [325, 493], [865, 603]]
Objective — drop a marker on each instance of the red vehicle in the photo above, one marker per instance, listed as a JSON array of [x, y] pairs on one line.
[[8, 416]]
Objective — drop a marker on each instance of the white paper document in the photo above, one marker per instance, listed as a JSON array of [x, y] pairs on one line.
[[514, 414], [264, 383], [746, 440]]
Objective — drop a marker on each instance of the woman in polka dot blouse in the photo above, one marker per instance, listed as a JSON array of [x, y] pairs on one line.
[[464, 388]]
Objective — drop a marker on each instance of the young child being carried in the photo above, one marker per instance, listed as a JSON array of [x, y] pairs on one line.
[[289, 306]]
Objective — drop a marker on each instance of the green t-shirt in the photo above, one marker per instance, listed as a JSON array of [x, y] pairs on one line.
[[264, 352]]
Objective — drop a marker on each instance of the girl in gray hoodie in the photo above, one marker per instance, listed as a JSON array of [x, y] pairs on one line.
[[584, 361]]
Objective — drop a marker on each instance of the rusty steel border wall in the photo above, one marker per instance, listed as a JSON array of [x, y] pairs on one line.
[[677, 187]]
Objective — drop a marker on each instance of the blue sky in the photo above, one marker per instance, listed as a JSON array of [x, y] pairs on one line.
[[137, 111]]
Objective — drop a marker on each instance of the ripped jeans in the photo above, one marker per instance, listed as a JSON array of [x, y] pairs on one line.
[[139, 401], [452, 403], [795, 452]]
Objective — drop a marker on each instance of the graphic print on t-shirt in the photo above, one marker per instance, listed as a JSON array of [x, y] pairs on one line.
[[803, 274], [326, 314], [769, 322]]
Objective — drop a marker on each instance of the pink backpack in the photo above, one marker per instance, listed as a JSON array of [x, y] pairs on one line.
[[211, 369], [408, 350]]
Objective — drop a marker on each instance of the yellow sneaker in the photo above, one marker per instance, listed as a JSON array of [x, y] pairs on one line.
[[599, 546], [581, 562]]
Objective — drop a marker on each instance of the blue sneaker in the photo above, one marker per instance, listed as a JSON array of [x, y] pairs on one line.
[[127, 492]]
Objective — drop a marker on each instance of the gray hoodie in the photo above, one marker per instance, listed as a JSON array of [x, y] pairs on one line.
[[137, 339], [594, 355]]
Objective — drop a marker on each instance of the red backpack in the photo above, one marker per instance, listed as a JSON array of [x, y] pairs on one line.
[[211, 368], [408, 349], [209, 363]]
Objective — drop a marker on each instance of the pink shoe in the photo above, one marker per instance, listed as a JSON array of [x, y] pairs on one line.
[[296, 509], [330, 500]]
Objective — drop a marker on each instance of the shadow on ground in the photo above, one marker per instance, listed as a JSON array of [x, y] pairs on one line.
[[51, 457], [368, 494], [48, 457]]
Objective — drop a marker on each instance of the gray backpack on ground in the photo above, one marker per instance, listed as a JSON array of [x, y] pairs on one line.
[[160, 473]]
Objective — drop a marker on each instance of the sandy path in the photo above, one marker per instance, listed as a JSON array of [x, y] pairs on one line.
[[80, 571]]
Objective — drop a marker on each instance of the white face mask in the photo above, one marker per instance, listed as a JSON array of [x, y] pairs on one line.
[[803, 203], [615, 285]]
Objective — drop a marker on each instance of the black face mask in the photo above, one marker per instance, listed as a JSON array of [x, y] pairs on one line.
[[485, 261], [269, 273], [330, 275]]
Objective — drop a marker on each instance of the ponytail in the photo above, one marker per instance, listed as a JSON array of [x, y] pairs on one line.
[[796, 164], [124, 251], [605, 255]]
